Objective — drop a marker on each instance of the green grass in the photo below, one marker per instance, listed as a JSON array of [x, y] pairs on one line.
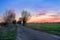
[[11, 34], [49, 28]]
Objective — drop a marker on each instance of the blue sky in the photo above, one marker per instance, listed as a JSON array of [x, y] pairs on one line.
[[32, 6]]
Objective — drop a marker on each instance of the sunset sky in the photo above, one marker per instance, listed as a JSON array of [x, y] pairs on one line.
[[41, 10]]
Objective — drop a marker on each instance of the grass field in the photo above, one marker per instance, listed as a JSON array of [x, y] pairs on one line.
[[8, 32], [52, 28]]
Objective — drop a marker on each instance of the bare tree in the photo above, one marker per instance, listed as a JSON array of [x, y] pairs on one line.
[[9, 16], [20, 20], [25, 16]]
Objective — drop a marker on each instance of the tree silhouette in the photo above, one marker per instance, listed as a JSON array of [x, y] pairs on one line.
[[9, 16], [25, 16], [20, 20], [14, 22]]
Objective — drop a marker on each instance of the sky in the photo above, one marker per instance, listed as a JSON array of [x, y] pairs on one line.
[[38, 8]]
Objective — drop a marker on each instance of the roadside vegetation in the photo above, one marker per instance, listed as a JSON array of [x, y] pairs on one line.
[[8, 32], [8, 28]]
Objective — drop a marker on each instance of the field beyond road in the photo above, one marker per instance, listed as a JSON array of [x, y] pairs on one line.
[[52, 28]]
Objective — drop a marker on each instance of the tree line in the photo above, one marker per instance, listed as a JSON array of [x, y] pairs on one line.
[[10, 15]]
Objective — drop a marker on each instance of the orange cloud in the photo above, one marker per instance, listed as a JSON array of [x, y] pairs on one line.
[[36, 19]]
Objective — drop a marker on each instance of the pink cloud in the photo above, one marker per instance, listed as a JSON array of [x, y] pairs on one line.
[[41, 13]]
